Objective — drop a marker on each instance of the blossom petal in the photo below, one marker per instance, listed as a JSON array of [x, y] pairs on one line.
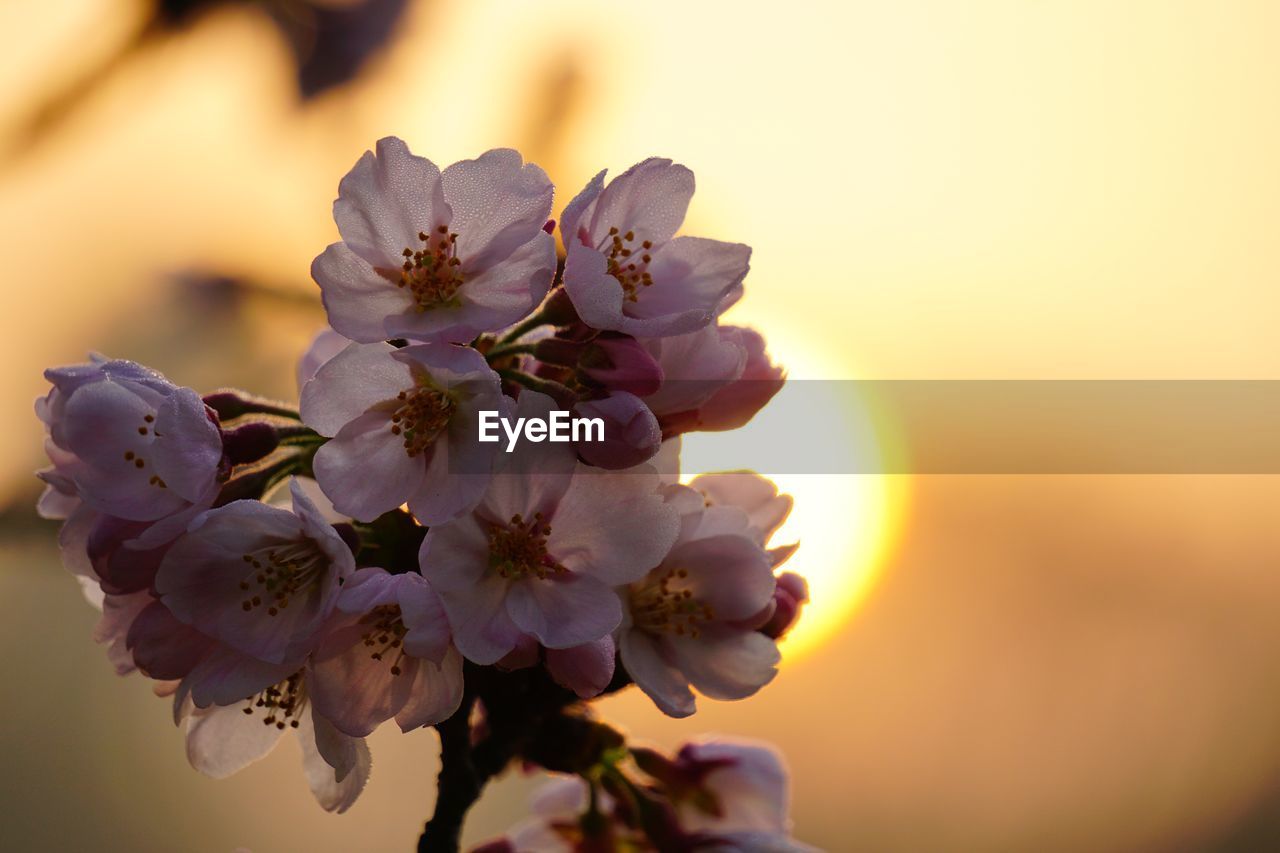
[[596, 295], [349, 384], [435, 694], [586, 669], [357, 298], [386, 200], [482, 630], [363, 447], [455, 556], [651, 199], [349, 687], [643, 657], [499, 203], [336, 789], [224, 740], [727, 663], [691, 275], [612, 525], [564, 610]]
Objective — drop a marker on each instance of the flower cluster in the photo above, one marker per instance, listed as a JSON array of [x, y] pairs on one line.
[[365, 557]]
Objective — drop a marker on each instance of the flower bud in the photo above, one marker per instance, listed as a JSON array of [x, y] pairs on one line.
[[249, 442], [620, 363], [791, 592], [631, 432], [738, 402]]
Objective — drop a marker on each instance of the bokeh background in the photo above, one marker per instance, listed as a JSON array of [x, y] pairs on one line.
[[934, 190]]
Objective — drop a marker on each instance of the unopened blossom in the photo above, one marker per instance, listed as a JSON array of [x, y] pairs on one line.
[[126, 442], [790, 595], [627, 271], [541, 552], [684, 621], [619, 362], [259, 579], [222, 740], [737, 403], [631, 432], [716, 378], [405, 426], [436, 256], [387, 655]]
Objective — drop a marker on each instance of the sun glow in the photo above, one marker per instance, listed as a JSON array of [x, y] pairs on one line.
[[845, 522]]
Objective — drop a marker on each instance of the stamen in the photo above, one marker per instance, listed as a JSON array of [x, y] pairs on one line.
[[282, 703], [618, 253], [385, 635], [283, 572], [519, 549], [421, 414], [659, 606], [431, 272]]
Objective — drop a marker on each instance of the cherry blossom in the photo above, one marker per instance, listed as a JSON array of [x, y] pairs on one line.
[[626, 271], [631, 432], [435, 255], [126, 441], [365, 557], [259, 579], [404, 424], [684, 622], [388, 655], [222, 740], [542, 550]]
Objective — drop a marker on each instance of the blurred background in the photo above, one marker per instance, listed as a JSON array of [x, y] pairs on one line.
[[934, 190]]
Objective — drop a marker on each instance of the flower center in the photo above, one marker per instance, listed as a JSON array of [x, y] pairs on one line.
[[432, 273], [631, 272], [519, 549], [385, 634], [658, 606], [281, 704], [422, 414], [281, 572], [134, 458]]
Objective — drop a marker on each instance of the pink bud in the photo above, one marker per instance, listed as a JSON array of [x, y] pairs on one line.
[[631, 432], [620, 363], [738, 402], [788, 596]]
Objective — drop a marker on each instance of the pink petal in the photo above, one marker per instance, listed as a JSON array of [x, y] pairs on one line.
[[386, 200], [585, 669], [499, 203], [482, 630], [564, 610], [435, 694], [355, 380], [651, 198], [727, 663], [357, 299], [644, 660], [223, 741], [612, 525], [365, 469]]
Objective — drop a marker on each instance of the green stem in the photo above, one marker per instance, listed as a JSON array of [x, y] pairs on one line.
[[504, 350], [533, 321]]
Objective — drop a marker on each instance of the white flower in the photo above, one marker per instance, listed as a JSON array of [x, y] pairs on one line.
[[626, 271], [405, 427], [436, 256]]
